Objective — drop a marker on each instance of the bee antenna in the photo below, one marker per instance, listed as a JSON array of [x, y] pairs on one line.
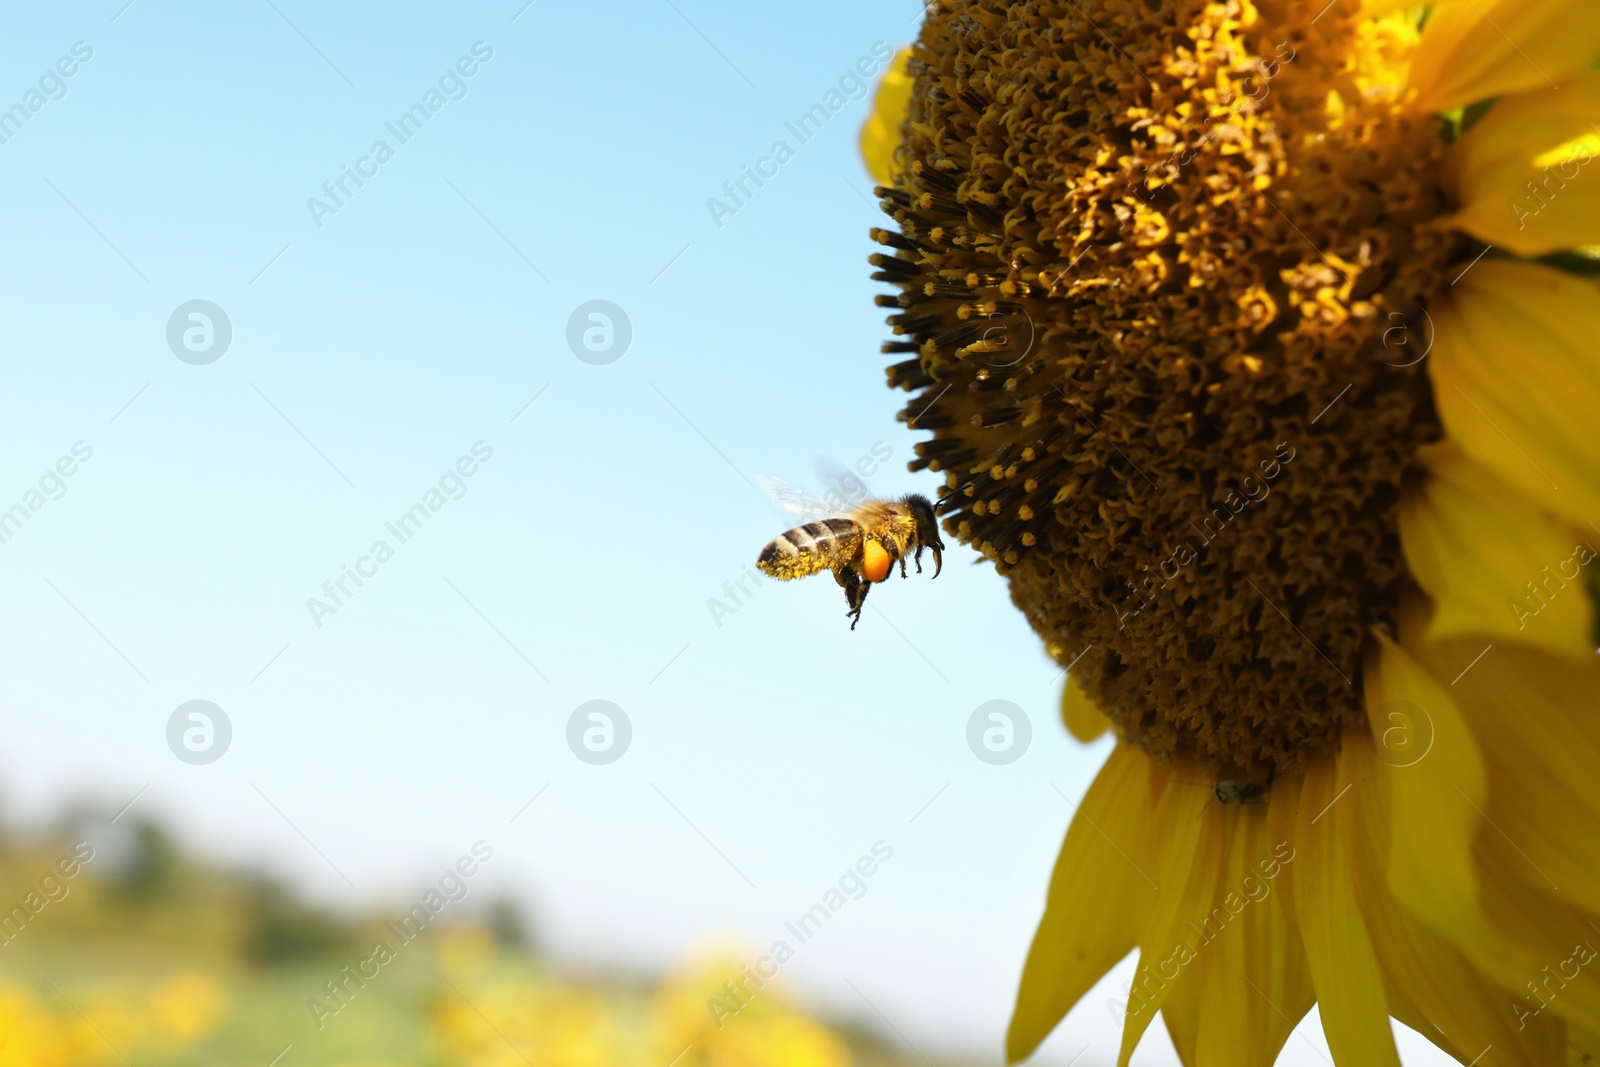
[[1197, 785]]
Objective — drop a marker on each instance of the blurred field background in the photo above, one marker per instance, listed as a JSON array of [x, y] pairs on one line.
[[144, 955], [369, 351]]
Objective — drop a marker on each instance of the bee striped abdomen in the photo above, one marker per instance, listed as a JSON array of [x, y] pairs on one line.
[[808, 549]]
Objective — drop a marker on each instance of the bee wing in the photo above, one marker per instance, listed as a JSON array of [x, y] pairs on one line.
[[796, 500], [858, 500], [844, 484]]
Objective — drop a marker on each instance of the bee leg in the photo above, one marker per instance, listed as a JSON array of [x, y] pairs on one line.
[[903, 566], [857, 601], [918, 561], [855, 592]]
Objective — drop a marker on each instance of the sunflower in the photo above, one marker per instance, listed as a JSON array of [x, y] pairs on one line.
[[1257, 342]]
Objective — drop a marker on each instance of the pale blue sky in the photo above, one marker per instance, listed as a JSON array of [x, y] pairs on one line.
[[369, 353]]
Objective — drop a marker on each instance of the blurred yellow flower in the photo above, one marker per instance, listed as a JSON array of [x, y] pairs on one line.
[[188, 1006], [506, 1023], [118, 1018], [502, 1019], [716, 1013], [113, 1014], [31, 1036]]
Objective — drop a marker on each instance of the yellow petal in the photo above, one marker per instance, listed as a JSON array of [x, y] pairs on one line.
[[1402, 1010], [1374, 8], [1524, 176], [1181, 1014], [1493, 561], [1560, 944], [1435, 796], [880, 134], [1517, 383], [1487, 48], [1098, 896], [1441, 995], [1189, 833], [1084, 721], [1344, 967], [1251, 967], [1583, 1046], [1512, 927], [1535, 720]]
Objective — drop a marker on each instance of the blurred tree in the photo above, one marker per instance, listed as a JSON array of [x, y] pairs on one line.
[[508, 925], [148, 870], [279, 927]]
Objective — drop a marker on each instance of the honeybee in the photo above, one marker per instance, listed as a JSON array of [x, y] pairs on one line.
[[1231, 792], [1235, 790], [860, 548]]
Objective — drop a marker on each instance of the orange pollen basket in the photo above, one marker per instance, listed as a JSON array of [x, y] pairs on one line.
[[875, 562]]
